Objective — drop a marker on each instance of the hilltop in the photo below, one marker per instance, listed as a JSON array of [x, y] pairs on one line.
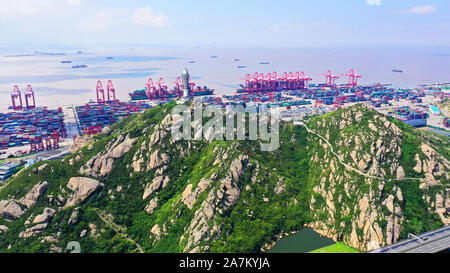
[[353, 175]]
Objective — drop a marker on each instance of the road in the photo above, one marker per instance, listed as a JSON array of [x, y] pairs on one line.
[[118, 229], [348, 167], [430, 242]]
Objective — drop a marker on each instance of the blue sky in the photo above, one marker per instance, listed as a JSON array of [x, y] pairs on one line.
[[230, 23]]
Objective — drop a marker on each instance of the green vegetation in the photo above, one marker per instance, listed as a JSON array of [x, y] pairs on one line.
[[261, 210], [336, 248]]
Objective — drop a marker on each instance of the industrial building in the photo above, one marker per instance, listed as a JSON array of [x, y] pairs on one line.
[[7, 170]]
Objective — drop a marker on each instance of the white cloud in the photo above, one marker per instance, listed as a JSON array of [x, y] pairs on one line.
[[23, 6], [73, 2], [426, 9], [115, 17], [374, 2], [112, 17], [146, 17]]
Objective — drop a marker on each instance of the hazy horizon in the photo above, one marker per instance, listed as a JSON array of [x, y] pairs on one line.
[[286, 23]]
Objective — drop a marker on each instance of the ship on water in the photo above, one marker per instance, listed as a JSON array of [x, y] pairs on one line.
[[79, 66], [264, 63], [160, 91], [397, 70], [141, 94], [66, 62]]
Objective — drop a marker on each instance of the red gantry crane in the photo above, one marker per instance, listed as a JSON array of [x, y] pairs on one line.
[[100, 90], [111, 92], [150, 89], [330, 78], [29, 96], [353, 77], [14, 96]]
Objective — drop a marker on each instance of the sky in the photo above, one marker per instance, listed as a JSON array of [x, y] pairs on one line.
[[220, 23]]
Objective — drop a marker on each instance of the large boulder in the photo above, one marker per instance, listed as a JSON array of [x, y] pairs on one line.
[[3, 229], [10, 209], [34, 194], [45, 216], [33, 231], [102, 164], [157, 183], [82, 188]]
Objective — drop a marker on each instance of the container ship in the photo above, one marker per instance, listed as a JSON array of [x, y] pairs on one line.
[[79, 66], [160, 91], [141, 94]]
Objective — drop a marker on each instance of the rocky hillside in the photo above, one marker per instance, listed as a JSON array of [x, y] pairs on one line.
[[376, 179], [353, 175]]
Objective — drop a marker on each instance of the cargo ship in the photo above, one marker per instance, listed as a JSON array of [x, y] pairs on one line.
[[202, 91], [141, 94], [79, 66]]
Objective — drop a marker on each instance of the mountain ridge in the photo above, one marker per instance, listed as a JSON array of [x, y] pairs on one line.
[[163, 195]]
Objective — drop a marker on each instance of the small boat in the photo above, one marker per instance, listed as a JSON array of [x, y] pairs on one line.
[[264, 63], [237, 60], [214, 57], [66, 62], [397, 70], [242, 66], [109, 58], [191, 62]]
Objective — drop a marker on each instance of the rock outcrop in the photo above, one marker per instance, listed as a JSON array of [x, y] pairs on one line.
[[354, 203], [10, 210], [45, 216], [34, 194], [102, 164], [81, 188], [217, 202]]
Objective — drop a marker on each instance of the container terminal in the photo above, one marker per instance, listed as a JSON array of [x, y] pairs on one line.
[[42, 129]]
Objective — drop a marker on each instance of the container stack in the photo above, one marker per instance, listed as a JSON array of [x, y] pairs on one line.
[[93, 115], [17, 128], [413, 117]]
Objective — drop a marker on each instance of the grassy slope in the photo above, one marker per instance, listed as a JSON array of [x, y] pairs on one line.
[[336, 248]]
